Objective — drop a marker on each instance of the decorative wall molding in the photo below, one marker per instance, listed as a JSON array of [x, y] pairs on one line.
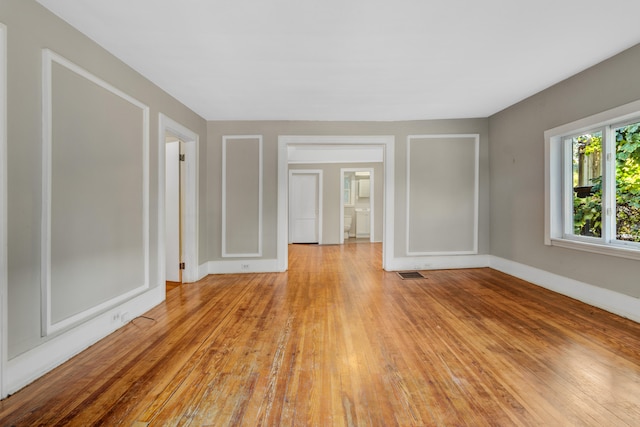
[[191, 187], [475, 139], [48, 326], [226, 140], [613, 302]]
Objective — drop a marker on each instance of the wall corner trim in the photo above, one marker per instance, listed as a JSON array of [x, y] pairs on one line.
[[608, 300]]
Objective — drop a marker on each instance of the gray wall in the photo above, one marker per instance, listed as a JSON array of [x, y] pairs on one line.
[[94, 132], [270, 130], [517, 172], [242, 201], [30, 29], [331, 196], [442, 193]]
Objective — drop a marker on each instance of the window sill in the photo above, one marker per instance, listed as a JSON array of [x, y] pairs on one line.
[[611, 250]]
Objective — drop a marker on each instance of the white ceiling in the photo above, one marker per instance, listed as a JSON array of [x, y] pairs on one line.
[[354, 59]]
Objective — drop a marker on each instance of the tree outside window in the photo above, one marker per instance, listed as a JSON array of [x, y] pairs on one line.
[[588, 189]]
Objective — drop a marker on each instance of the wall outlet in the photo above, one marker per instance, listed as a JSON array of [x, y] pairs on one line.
[[244, 267], [120, 317]]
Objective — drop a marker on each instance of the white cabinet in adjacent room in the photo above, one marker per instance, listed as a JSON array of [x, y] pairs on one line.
[[363, 223]]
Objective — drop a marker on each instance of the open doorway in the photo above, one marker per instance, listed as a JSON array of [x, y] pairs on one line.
[[185, 183], [357, 205], [296, 151]]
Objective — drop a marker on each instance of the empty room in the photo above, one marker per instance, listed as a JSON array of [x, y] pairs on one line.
[[412, 213]]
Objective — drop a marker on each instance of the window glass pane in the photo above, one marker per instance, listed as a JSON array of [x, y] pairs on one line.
[[587, 184], [628, 182]]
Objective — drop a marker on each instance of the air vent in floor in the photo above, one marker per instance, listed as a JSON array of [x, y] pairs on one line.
[[410, 275]]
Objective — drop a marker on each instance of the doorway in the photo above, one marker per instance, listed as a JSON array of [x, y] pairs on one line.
[[189, 191], [357, 213], [305, 206], [350, 149]]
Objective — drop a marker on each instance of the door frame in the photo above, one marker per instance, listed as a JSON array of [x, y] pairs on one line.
[[371, 202], [4, 280], [173, 193], [190, 186], [386, 142], [318, 173]]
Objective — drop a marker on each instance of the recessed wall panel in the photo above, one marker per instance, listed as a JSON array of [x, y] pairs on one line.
[[442, 194], [242, 196], [97, 196]]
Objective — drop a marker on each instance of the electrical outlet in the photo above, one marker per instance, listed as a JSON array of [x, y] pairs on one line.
[[115, 317], [124, 317], [244, 267]]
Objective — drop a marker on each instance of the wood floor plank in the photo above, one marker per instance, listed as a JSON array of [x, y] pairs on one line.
[[338, 341]]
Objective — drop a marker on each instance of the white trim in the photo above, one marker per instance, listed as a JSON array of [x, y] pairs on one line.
[[258, 253], [439, 262], [319, 173], [611, 301], [203, 270], [3, 210], [476, 197], [27, 367], [331, 154], [191, 187], [48, 58], [371, 201], [611, 250], [385, 141], [240, 266]]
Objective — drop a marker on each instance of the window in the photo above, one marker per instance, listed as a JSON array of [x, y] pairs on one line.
[[593, 184]]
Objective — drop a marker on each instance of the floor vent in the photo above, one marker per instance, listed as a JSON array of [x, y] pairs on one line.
[[410, 275]]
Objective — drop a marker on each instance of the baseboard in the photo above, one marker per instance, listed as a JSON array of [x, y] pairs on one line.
[[27, 367], [203, 270], [440, 262], [613, 302], [243, 266]]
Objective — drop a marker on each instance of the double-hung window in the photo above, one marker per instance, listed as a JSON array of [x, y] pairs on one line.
[[593, 183]]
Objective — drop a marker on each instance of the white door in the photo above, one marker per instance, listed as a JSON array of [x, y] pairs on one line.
[[172, 212], [304, 207]]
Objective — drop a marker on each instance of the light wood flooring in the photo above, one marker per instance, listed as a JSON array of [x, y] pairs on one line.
[[337, 341]]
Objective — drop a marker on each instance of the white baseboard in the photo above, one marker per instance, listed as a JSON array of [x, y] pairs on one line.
[[243, 266], [440, 262], [27, 367], [203, 270], [613, 302]]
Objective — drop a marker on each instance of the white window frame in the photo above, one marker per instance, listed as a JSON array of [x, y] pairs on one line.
[[558, 184]]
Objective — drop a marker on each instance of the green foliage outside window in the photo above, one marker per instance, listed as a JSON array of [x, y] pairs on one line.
[[587, 209]]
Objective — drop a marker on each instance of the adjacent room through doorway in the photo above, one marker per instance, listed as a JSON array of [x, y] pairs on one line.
[[352, 205]]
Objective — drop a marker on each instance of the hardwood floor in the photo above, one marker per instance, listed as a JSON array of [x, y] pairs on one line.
[[338, 341]]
